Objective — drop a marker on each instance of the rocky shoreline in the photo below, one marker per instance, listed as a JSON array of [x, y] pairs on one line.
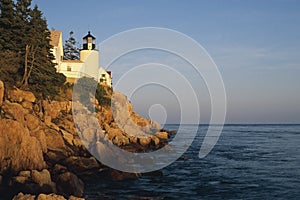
[[43, 153]]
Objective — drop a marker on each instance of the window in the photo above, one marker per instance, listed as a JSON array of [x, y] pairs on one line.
[[69, 68], [103, 75], [103, 80]]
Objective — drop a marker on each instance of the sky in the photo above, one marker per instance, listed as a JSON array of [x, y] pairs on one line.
[[255, 45]]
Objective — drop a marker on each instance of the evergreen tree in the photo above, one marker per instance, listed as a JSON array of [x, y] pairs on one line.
[[39, 72], [10, 58], [7, 22], [71, 52], [22, 25], [25, 49], [9, 68], [23, 9]]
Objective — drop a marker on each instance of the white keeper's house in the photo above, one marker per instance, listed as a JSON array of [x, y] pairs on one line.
[[87, 66]]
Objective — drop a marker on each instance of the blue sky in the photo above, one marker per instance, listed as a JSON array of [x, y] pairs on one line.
[[255, 44]]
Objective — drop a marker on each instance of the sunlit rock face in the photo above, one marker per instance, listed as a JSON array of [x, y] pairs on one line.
[[1, 92], [42, 150], [18, 149]]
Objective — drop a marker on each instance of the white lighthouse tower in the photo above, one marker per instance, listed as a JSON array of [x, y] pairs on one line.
[[89, 55], [87, 66]]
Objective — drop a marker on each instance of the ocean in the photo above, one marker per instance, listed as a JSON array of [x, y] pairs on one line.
[[248, 162]]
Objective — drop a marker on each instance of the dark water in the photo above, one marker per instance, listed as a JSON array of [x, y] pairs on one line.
[[248, 162]]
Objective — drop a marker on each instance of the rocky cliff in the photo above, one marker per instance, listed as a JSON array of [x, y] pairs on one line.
[[42, 150]]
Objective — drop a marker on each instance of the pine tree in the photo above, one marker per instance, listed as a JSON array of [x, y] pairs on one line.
[[22, 25], [71, 52], [9, 68], [7, 22], [10, 58], [25, 49], [39, 72], [23, 9]]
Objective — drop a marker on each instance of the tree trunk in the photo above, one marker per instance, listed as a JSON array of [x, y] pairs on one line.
[[32, 64], [24, 83], [30, 52]]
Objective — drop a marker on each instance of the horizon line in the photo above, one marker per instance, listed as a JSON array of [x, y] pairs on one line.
[[226, 124]]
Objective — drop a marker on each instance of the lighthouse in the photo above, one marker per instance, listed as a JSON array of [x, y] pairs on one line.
[[89, 55], [87, 66]]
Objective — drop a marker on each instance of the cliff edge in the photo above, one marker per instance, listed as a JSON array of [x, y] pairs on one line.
[[42, 150]]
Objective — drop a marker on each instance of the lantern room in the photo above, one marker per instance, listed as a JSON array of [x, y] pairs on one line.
[[89, 42]]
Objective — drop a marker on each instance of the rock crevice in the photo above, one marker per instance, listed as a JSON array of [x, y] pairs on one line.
[[42, 150]]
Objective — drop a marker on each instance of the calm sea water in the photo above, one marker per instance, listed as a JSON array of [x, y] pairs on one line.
[[248, 162]]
